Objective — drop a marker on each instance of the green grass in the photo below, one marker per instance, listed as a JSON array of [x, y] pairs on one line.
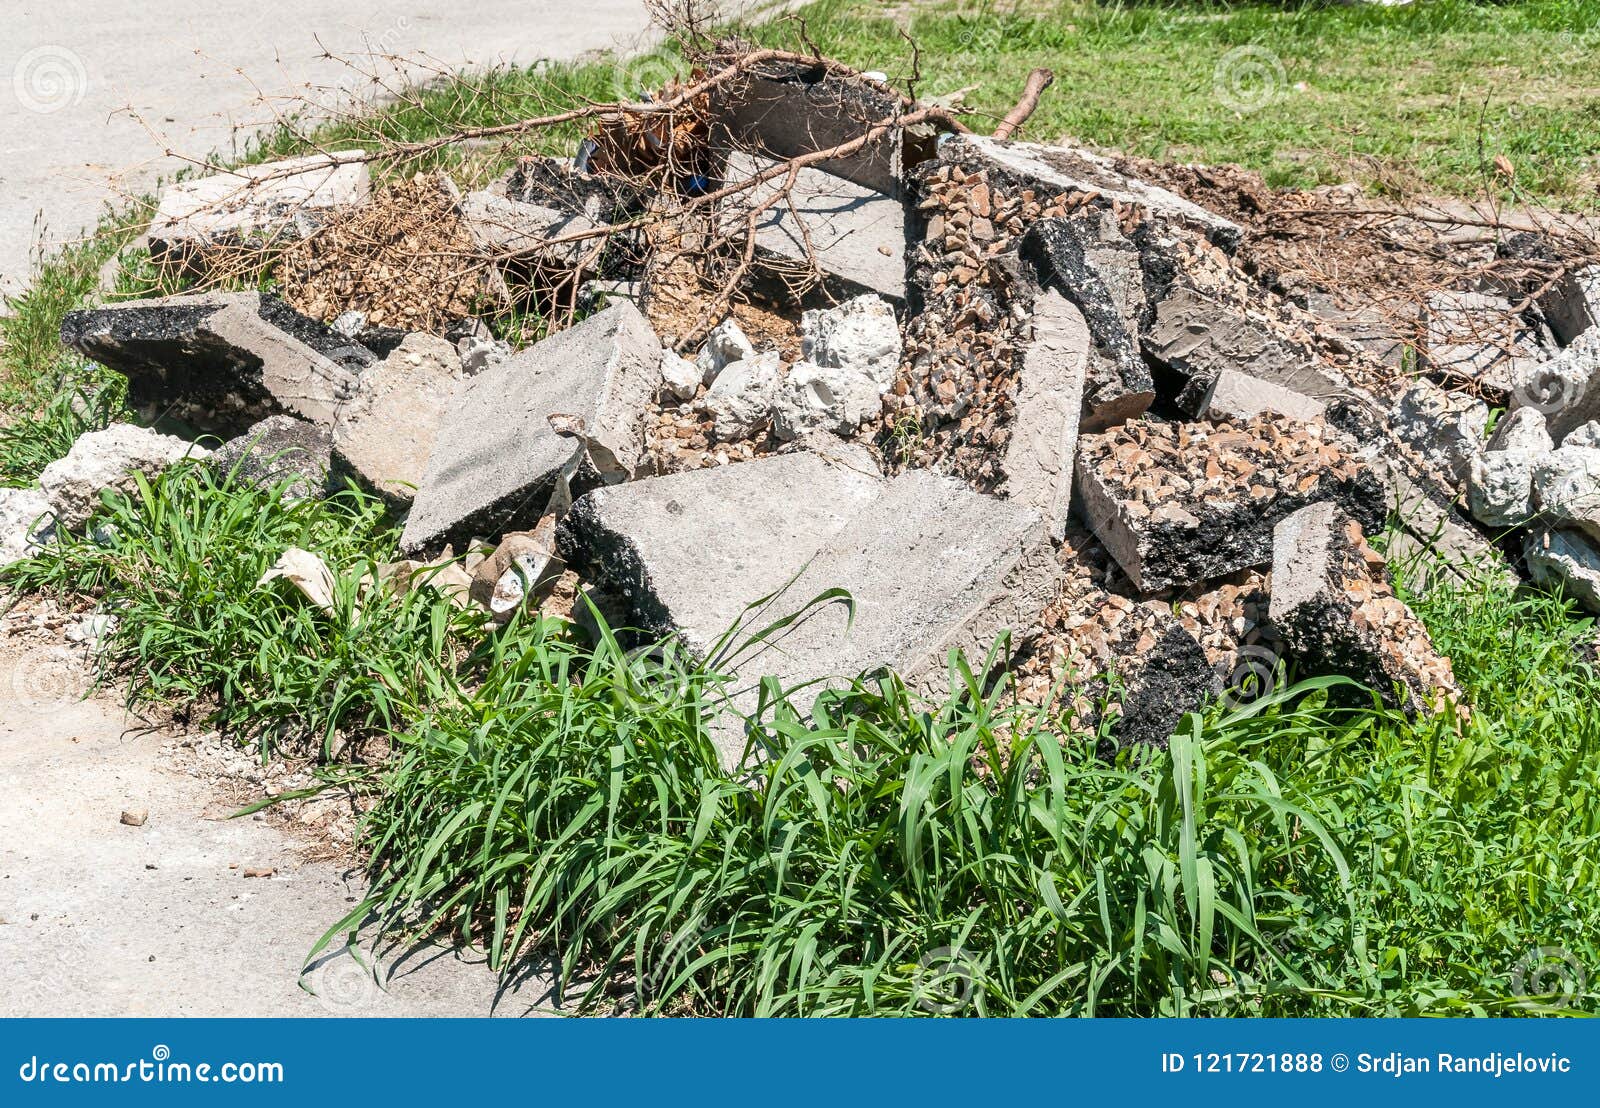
[[1425, 94], [547, 792]]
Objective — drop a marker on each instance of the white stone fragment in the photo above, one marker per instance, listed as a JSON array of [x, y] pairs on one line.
[[724, 345], [108, 459], [743, 395]]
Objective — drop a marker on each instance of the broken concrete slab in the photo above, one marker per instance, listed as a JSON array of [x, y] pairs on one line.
[[386, 432], [1569, 560], [200, 221], [220, 361], [1523, 429], [1333, 606], [26, 524], [109, 459], [1472, 336], [512, 230], [1240, 398], [1070, 256], [280, 448], [1199, 336], [685, 553], [569, 410], [784, 110], [829, 231], [1367, 330], [1180, 503], [1572, 305], [930, 565], [1073, 169], [1565, 387], [1037, 463], [1164, 683]]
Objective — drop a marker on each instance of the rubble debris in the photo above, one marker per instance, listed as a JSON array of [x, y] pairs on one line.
[[679, 375], [1365, 329], [821, 232], [308, 573], [26, 524], [1448, 428], [1523, 429], [202, 224], [742, 398], [1565, 387], [1333, 605], [109, 459], [1198, 336], [1569, 560], [385, 433], [220, 361], [850, 355], [1180, 503], [1572, 305], [1475, 337], [1171, 678], [279, 448], [1586, 434], [1240, 398], [567, 411], [1566, 488], [1075, 170], [724, 345], [134, 817], [1500, 487], [1078, 257], [481, 352], [1044, 437], [405, 258]]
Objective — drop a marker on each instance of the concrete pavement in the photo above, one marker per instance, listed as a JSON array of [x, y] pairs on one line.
[[94, 93]]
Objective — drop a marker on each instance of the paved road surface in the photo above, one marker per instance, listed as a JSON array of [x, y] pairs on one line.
[[93, 91]]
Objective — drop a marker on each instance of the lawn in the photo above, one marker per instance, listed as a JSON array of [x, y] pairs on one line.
[[954, 856]]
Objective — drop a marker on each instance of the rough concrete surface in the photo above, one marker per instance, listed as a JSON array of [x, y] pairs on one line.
[[92, 93], [102, 919]]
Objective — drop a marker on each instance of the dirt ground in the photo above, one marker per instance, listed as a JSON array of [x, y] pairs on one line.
[[100, 918]]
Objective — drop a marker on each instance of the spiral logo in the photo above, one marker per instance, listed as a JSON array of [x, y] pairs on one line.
[[682, 948], [642, 76], [1248, 78], [342, 985], [1548, 977], [1257, 673], [1548, 387], [161, 1053], [40, 681], [944, 981], [48, 79]]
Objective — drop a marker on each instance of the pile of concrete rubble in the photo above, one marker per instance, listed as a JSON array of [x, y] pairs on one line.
[[996, 391]]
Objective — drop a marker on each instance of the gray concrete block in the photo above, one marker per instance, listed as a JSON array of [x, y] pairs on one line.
[[569, 409], [274, 202], [1072, 169], [1044, 435], [1239, 397], [385, 434], [220, 361], [1199, 337], [857, 234], [1472, 336]]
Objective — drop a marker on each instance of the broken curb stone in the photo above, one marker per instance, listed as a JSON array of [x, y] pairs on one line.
[[108, 459], [385, 433], [198, 222], [1038, 461], [1475, 337], [1180, 503], [1333, 605], [569, 410], [1564, 387], [279, 448], [220, 361]]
